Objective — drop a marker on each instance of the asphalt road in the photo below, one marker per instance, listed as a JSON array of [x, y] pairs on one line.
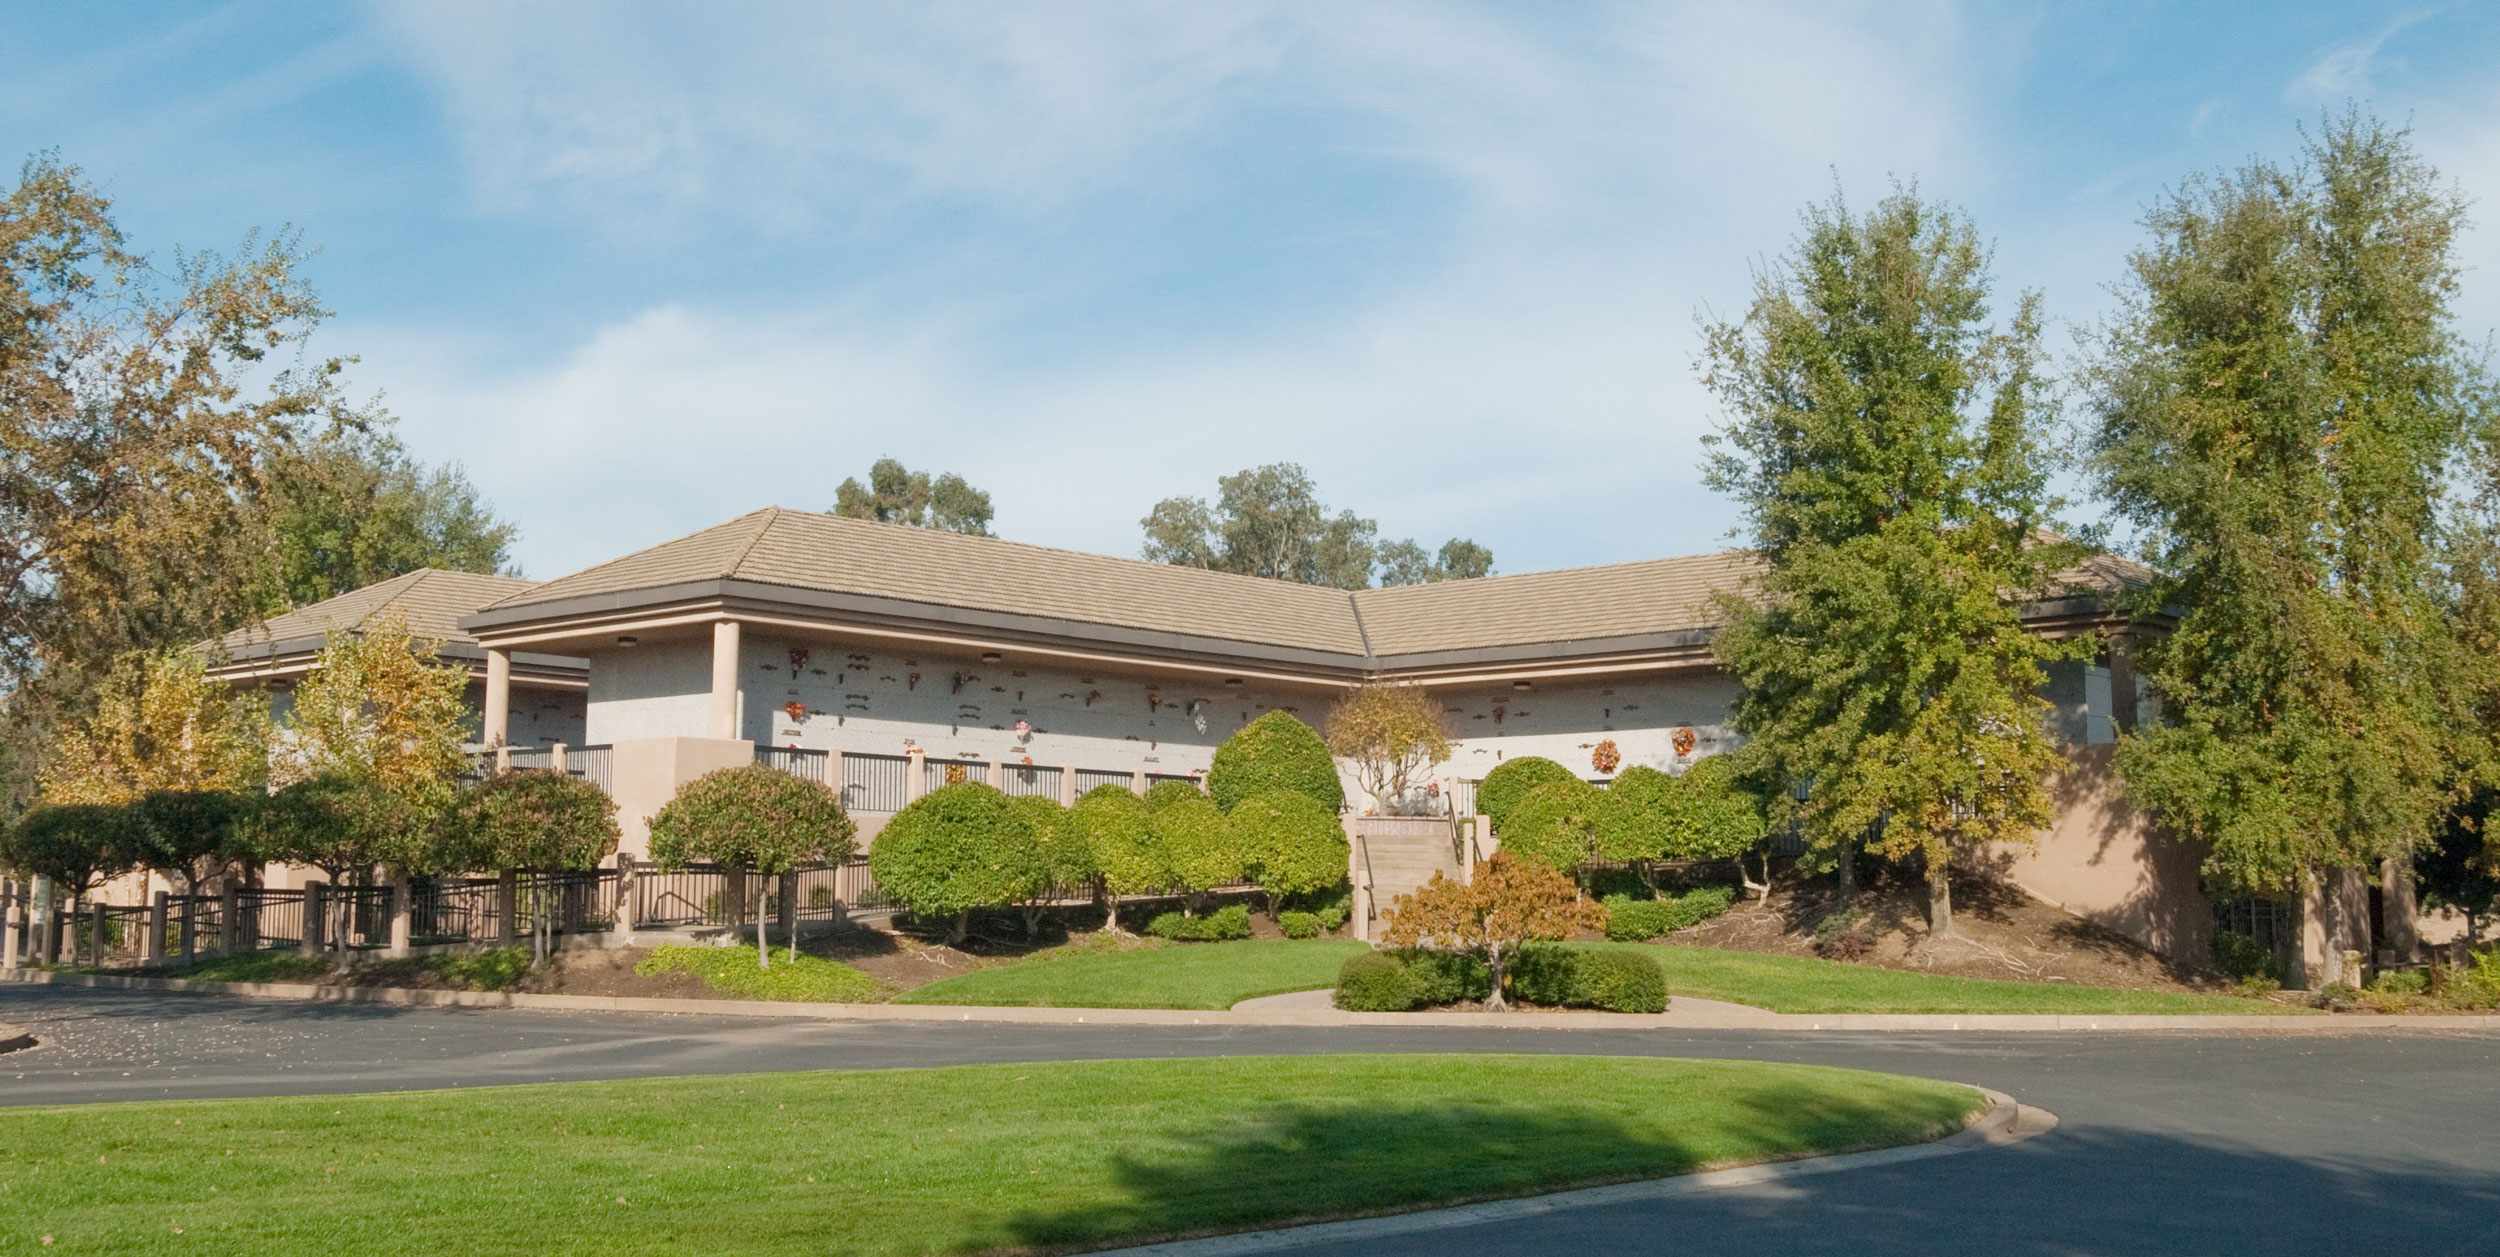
[[2168, 1144]]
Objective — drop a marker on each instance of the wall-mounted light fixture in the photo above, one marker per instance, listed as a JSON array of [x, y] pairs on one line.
[[1232, 680], [627, 639], [991, 656], [1518, 685]]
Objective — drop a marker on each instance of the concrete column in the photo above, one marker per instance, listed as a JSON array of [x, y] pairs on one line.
[[558, 757], [152, 948], [833, 776], [915, 774], [2400, 914], [229, 918], [507, 908], [1137, 782], [498, 712], [998, 774], [400, 922], [10, 915], [1067, 787], [725, 679], [316, 918], [39, 914], [622, 920]]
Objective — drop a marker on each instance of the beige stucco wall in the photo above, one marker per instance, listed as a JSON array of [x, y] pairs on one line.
[[644, 775], [2104, 862]]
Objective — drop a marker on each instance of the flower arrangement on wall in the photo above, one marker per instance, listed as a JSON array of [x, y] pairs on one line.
[[1682, 739], [1606, 758], [795, 710]]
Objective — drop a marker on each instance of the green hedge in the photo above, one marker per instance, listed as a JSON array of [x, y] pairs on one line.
[[1293, 845], [1448, 976], [1374, 982], [1223, 924], [1275, 752], [955, 849], [1570, 977], [1633, 920], [1165, 793], [1511, 780], [1298, 924]]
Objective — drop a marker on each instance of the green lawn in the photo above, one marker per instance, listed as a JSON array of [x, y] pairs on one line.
[[1181, 975], [908, 1161], [1800, 984]]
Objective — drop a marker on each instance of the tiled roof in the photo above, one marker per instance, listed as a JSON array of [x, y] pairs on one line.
[[430, 600], [808, 551]]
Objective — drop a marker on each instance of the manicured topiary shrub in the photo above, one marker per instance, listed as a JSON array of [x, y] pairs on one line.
[[1275, 752], [1697, 905], [753, 818], [1293, 845], [1222, 925], [1332, 918], [953, 850], [1630, 920], [544, 821], [1376, 983], [1560, 823], [1298, 924], [1637, 824], [1447, 976], [1163, 794], [1619, 982], [1510, 781], [1197, 842], [1118, 834]]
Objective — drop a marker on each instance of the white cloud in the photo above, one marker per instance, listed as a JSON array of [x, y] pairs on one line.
[[2346, 72]]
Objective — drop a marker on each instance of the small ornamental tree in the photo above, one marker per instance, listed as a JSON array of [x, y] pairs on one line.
[[955, 849], [188, 835], [1635, 828], [1508, 902], [1275, 752], [1295, 846], [1511, 780], [1061, 858], [1711, 815], [334, 822], [1118, 831], [1392, 734], [160, 724], [75, 845], [1563, 824], [753, 818], [1165, 793], [380, 710], [541, 820], [1198, 845]]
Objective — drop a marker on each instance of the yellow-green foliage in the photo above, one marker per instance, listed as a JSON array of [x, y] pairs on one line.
[[1275, 752], [734, 971], [1511, 780], [1198, 843]]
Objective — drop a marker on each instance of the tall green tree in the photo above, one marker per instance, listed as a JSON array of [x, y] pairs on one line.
[[139, 408], [2276, 408], [1884, 439], [896, 494], [1268, 521], [355, 507]]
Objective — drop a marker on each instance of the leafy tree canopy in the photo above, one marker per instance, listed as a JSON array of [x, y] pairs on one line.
[[75, 845], [1507, 903], [1511, 780], [895, 494], [2275, 408], [160, 724], [355, 508], [1885, 442], [956, 849], [1274, 752], [1268, 521], [380, 708], [1393, 734]]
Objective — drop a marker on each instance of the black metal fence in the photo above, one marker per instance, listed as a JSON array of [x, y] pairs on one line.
[[874, 783]]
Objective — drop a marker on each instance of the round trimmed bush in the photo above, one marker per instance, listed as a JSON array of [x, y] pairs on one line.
[[541, 820], [1511, 780], [1447, 976], [1298, 924], [1197, 843], [1619, 982], [1639, 823], [1560, 824], [1058, 842], [752, 817], [955, 849], [1294, 846], [1163, 794], [1630, 920], [1275, 752], [1376, 983]]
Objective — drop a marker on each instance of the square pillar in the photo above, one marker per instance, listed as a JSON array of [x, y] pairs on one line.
[[98, 945], [39, 914], [998, 774], [229, 918], [316, 918], [498, 713], [1067, 786], [10, 915], [622, 920], [1137, 782], [725, 679], [915, 774], [400, 922], [152, 948]]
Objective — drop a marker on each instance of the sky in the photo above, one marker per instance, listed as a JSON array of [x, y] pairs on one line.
[[641, 268]]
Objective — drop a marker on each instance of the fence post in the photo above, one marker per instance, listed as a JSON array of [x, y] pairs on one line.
[[507, 908], [622, 921], [997, 774], [1067, 786], [790, 905], [8, 924], [399, 914], [833, 774], [316, 918], [95, 935], [191, 923], [229, 918], [1137, 782], [153, 950], [559, 758], [915, 774]]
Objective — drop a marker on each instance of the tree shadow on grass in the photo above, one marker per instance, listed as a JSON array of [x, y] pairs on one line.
[[1299, 1162]]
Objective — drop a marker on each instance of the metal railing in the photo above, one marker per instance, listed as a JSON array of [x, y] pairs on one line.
[[271, 918], [594, 764], [874, 783], [938, 773], [1032, 781], [796, 761], [1091, 778]]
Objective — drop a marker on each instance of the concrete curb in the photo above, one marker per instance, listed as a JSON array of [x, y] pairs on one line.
[[2005, 1122], [2288, 1023]]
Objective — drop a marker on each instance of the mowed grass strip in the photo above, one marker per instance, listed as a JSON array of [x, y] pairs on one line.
[[1181, 975], [1802, 984], [954, 1160]]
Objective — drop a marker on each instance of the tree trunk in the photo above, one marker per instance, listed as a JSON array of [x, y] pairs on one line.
[[1494, 966], [763, 952], [961, 927], [1848, 874], [1744, 876], [1939, 898], [1111, 914]]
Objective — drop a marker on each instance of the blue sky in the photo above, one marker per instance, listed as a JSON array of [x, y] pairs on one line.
[[642, 268]]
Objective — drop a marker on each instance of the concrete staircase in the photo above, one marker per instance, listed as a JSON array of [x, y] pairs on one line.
[[1393, 856]]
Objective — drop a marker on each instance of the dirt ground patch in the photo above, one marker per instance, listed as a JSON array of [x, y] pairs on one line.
[[1999, 932]]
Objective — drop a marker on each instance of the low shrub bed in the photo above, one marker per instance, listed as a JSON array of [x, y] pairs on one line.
[[1549, 974], [733, 971], [1631, 919], [1221, 925], [261, 967]]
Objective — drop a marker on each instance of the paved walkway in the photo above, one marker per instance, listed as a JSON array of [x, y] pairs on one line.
[[2188, 1143]]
